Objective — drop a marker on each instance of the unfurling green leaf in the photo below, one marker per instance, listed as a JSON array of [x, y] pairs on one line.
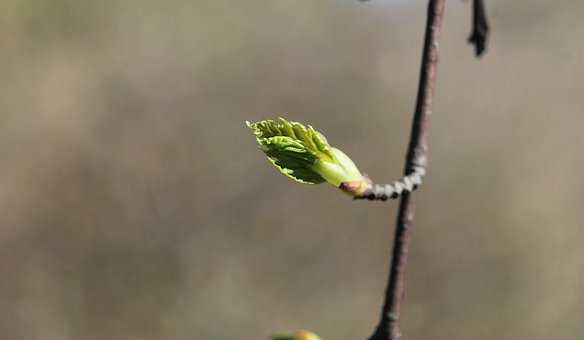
[[304, 155], [298, 335]]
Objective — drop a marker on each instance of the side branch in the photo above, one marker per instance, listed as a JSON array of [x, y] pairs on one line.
[[388, 327], [407, 184]]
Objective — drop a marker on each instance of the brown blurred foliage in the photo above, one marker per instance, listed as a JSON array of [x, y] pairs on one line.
[[135, 205]]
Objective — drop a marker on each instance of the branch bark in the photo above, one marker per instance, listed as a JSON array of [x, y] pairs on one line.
[[417, 156]]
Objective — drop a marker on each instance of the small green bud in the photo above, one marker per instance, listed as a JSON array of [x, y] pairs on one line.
[[304, 155]]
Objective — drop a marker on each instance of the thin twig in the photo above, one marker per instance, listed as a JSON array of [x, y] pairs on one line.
[[394, 190], [388, 327], [480, 27]]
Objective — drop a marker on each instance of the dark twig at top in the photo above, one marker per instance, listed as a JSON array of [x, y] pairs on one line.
[[480, 28], [389, 327]]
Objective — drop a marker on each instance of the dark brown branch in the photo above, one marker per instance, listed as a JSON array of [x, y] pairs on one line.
[[480, 27], [388, 327]]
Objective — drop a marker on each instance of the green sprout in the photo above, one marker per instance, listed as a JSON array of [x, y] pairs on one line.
[[304, 155]]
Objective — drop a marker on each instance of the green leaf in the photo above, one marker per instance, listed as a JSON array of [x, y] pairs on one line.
[[284, 336], [298, 335], [302, 153], [292, 148]]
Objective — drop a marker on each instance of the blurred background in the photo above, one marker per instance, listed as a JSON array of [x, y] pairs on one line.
[[134, 203]]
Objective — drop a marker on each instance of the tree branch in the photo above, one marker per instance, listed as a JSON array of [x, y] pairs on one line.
[[388, 327]]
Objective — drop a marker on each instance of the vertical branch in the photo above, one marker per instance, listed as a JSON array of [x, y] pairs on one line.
[[388, 327]]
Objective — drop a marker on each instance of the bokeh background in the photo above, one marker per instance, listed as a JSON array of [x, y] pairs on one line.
[[134, 203]]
